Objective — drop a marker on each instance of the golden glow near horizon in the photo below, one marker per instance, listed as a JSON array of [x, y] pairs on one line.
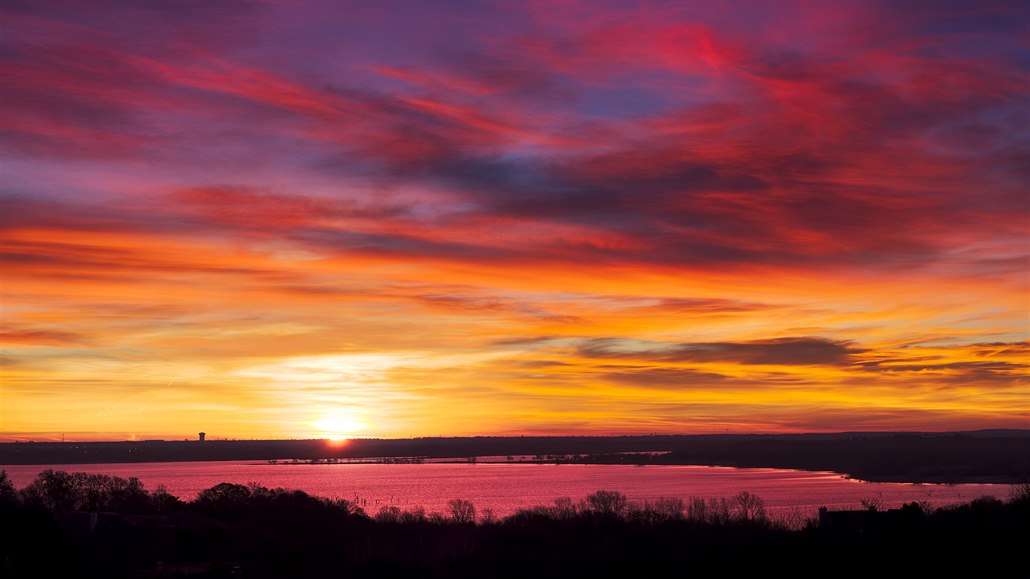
[[338, 426], [673, 220]]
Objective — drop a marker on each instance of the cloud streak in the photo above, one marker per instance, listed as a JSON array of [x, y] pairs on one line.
[[801, 351]]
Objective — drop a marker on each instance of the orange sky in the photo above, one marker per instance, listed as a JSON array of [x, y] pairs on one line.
[[270, 222]]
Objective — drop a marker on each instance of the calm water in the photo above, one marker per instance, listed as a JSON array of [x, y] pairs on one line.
[[508, 487]]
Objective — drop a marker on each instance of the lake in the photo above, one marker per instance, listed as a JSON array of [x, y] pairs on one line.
[[505, 488]]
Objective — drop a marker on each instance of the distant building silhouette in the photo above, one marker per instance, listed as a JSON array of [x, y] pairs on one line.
[[202, 435]]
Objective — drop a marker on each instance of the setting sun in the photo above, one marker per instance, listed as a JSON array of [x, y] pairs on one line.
[[337, 426]]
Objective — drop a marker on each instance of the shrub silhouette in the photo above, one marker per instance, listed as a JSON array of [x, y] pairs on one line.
[[388, 514], [161, 501]]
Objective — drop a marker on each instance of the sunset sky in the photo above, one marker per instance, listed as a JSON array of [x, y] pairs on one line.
[[292, 219]]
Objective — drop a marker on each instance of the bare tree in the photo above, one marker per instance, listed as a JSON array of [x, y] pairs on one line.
[[749, 508], [565, 508], [607, 502], [670, 508], [462, 511], [872, 503]]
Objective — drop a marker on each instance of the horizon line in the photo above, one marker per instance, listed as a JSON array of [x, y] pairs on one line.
[[26, 440]]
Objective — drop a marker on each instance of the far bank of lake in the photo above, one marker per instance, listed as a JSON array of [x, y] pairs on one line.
[[956, 457]]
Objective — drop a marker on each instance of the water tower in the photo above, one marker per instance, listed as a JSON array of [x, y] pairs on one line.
[[202, 435]]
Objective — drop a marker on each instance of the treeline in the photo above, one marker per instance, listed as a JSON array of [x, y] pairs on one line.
[[77, 524], [62, 492]]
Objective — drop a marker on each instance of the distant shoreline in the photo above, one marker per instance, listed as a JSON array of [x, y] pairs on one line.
[[991, 457], [877, 479]]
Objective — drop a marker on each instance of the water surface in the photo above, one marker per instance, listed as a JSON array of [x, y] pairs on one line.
[[505, 488]]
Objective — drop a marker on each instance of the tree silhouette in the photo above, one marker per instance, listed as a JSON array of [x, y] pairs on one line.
[[54, 490], [608, 503], [271, 533], [462, 511], [8, 494], [748, 508]]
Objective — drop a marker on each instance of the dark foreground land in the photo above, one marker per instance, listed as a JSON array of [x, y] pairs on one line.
[[982, 456], [78, 525]]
